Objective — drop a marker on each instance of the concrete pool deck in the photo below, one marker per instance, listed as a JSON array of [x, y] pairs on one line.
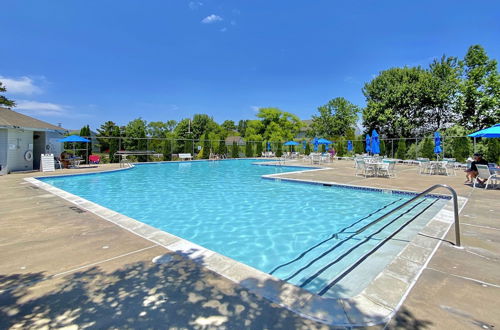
[[61, 266]]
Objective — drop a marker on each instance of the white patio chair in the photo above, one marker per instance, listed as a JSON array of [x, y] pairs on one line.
[[484, 173], [424, 166], [364, 168], [387, 169]]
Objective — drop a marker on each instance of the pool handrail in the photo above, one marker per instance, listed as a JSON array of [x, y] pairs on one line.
[[420, 195]]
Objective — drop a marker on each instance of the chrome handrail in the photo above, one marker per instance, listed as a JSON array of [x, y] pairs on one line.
[[420, 195]]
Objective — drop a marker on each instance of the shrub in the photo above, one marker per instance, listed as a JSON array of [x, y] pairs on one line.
[[235, 152], [492, 153], [426, 148], [401, 150], [358, 146], [248, 149], [308, 149], [222, 149], [259, 149], [205, 151], [383, 151], [167, 150], [279, 152]]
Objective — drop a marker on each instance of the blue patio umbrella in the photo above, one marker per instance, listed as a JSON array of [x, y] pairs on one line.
[[74, 138], [268, 146], [437, 143], [349, 145], [368, 142], [291, 144], [325, 142], [375, 143], [490, 132]]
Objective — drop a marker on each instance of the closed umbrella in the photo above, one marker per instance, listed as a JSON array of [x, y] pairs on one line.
[[349, 145], [375, 143], [437, 143], [315, 142], [368, 142], [304, 145], [268, 146]]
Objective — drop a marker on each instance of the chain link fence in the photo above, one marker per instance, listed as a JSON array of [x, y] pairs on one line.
[[458, 147]]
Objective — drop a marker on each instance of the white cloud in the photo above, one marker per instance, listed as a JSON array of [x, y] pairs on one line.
[[211, 19], [22, 85], [40, 108], [223, 29], [255, 108], [193, 5]]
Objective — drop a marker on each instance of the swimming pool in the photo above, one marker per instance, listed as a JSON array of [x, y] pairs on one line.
[[301, 233]]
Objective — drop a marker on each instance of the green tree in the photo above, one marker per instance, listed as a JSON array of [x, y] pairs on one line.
[[279, 151], [248, 149], [242, 127], [335, 118], [383, 150], [396, 101], [308, 149], [222, 149], [85, 149], [235, 150], [205, 151], [103, 133], [278, 125], [401, 150], [114, 143], [441, 93], [4, 101], [259, 148], [358, 145], [426, 148], [493, 150], [479, 105], [135, 133], [456, 143], [228, 125]]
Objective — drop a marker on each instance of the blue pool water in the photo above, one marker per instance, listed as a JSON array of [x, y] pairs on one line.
[[278, 227]]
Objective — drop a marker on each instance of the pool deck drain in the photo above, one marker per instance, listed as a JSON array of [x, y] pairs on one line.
[[375, 305]]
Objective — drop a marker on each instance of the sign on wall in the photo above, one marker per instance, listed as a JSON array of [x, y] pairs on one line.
[[47, 163]]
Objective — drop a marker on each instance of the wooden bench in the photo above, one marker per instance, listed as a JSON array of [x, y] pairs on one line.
[[185, 156]]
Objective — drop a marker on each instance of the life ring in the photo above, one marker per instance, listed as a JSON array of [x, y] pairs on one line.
[[28, 155]]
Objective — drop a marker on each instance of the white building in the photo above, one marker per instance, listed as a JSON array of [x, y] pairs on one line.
[[24, 139]]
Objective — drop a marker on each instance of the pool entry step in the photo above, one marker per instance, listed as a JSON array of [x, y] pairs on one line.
[[319, 268]]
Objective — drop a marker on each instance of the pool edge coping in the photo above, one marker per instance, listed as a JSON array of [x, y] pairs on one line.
[[365, 309]]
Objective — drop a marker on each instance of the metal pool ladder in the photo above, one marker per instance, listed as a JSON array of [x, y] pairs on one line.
[[421, 195]]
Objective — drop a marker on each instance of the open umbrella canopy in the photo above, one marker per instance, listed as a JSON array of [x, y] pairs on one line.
[[490, 132], [368, 142], [74, 138], [349, 145], [437, 143], [375, 143], [324, 141], [291, 143]]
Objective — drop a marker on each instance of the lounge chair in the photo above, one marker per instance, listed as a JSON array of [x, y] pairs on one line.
[[484, 173]]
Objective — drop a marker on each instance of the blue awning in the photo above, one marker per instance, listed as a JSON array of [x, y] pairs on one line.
[[74, 138]]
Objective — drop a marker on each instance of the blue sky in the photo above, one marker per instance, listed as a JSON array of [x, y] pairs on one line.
[[85, 62]]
